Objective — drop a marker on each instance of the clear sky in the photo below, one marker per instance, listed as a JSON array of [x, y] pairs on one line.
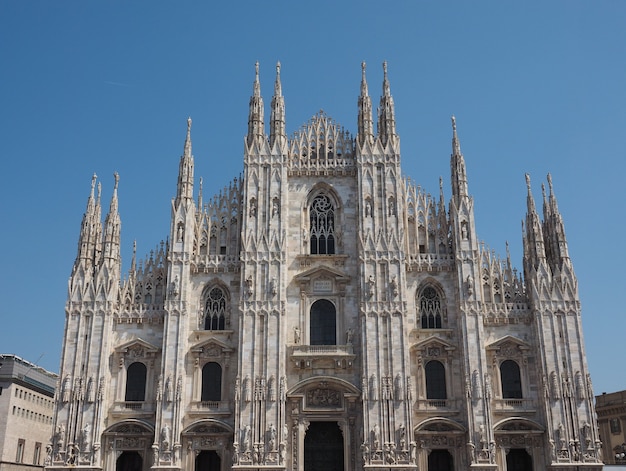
[[105, 86]]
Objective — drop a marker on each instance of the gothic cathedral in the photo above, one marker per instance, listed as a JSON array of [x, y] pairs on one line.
[[323, 313]]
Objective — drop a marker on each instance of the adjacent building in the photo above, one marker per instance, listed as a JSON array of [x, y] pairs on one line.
[[26, 412], [324, 312], [611, 410]]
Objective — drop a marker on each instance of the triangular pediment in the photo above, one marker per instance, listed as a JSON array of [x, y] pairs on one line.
[[433, 344], [321, 272], [508, 343], [136, 346], [211, 346]]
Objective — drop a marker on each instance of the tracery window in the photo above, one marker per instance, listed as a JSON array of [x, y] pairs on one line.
[[435, 380], [322, 226], [211, 382], [430, 308], [511, 380], [215, 310], [136, 382], [323, 323]]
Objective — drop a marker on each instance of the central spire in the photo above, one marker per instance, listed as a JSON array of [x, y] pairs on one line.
[[256, 126], [457, 166], [386, 112], [365, 124], [184, 188], [277, 119]]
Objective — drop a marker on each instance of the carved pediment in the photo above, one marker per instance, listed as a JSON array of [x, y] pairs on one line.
[[433, 347], [322, 279], [212, 348], [509, 346], [137, 349]]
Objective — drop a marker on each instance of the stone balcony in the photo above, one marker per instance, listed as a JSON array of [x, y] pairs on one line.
[[439, 406], [212, 408], [514, 406], [323, 356], [133, 409]]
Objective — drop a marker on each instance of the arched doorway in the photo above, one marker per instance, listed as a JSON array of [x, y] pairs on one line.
[[129, 461], [207, 460], [323, 447], [440, 460], [518, 459]]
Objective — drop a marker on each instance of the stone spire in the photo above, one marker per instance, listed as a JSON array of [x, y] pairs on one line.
[[365, 121], [90, 231], [554, 231], [457, 167], [534, 250], [112, 228], [277, 119], [184, 190], [386, 112], [256, 126]]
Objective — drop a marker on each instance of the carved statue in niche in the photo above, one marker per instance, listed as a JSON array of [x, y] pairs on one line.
[[393, 286], [373, 388], [398, 387], [167, 393], [90, 390], [376, 437], [246, 438], [246, 389], [371, 283], [271, 389], [296, 335], [165, 437], [272, 438], [402, 437], [349, 336], [67, 389]]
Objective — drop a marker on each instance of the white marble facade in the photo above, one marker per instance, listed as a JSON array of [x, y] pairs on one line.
[[323, 312]]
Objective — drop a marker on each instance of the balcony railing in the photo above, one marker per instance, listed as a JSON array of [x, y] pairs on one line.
[[323, 350], [514, 405], [440, 405]]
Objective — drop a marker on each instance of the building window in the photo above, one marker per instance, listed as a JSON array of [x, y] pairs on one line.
[[211, 382], [323, 323], [435, 380], [136, 382], [511, 380], [19, 455], [37, 453], [322, 226], [615, 426], [215, 310], [430, 308]]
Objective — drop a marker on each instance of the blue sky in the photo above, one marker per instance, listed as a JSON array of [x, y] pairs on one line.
[[101, 87]]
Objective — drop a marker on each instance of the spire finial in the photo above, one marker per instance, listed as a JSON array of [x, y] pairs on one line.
[[453, 123], [550, 183], [257, 82], [386, 88], [187, 148], [93, 182], [527, 181], [117, 180]]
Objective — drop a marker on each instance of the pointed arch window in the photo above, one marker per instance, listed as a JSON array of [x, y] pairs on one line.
[[435, 380], [323, 327], [215, 310], [511, 380], [322, 225], [211, 382], [136, 382], [430, 308]]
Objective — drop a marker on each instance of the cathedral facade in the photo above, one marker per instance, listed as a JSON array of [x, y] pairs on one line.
[[323, 313]]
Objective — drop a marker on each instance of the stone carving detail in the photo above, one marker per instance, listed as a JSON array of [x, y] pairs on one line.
[[323, 397]]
